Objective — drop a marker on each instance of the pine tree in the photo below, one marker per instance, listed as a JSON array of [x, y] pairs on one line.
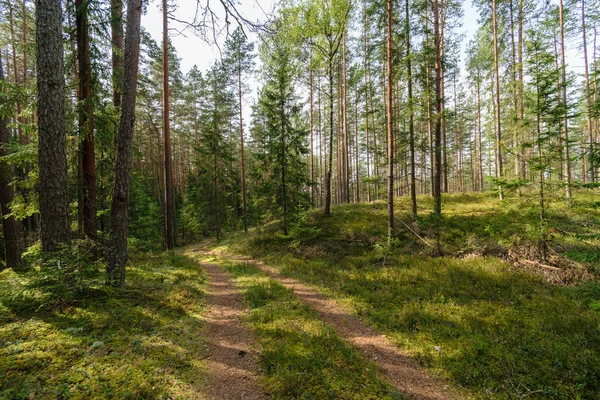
[[281, 169]]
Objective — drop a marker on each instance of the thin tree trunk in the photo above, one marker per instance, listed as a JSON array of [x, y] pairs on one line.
[[390, 121], [86, 120], [411, 120], [52, 159], [367, 102], [169, 194], [310, 156], [499, 168], [116, 26], [245, 209], [11, 228], [437, 141], [564, 91], [117, 252], [327, 210]]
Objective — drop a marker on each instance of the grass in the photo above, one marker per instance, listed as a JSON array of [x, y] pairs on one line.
[[142, 342], [301, 357], [501, 333]]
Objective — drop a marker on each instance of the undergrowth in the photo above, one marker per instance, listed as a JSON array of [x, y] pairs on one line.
[[141, 342], [497, 332]]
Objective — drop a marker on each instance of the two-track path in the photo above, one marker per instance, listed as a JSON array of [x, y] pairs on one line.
[[397, 368]]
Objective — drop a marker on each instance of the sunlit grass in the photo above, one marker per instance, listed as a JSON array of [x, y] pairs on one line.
[[498, 332], [145, 341]]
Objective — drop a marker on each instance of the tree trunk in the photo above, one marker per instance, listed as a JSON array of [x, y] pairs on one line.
[[243, 161], [588, 96], [54, 196], [327, 210], [564, 94], [86, 120], [10, 226], [366, 66], [437, 140], [116, 27], [411, 120], [169, 195], [117, 252], [390, 121], [499, 168]]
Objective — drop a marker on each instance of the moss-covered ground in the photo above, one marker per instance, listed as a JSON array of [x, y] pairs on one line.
[[500, 333], [145, 341]]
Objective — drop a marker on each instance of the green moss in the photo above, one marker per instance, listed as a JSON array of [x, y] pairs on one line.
[[140, 342], [499, 333]]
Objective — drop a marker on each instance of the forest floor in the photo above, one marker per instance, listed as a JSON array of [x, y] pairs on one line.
[[459, 308], [487, 314]]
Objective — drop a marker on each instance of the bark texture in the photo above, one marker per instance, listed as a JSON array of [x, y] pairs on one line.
[[54, 196], [10, 226], [117, 255], [86, 120]]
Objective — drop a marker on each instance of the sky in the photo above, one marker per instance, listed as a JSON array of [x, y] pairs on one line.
[[190, 48], [194, 51]]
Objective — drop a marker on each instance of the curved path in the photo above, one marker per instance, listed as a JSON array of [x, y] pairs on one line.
[[401, 371]]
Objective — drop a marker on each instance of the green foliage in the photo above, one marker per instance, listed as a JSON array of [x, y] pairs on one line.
[[64, 275]]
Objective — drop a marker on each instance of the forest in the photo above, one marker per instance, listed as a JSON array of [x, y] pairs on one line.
[[381, 199]]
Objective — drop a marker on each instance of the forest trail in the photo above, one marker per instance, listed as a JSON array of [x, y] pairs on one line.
[[232, 356], [402, 372]]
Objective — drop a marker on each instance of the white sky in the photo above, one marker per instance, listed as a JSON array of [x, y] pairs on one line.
[[191, 49]]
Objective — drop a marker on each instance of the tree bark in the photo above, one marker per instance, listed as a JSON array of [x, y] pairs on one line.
[[11, 228], [411, 119], [54, 196], [568, 191], [390, 120], [116, 28], [169, 195], [499, 168], [243, 161], [86, 120], [117, 254], [437, 140]]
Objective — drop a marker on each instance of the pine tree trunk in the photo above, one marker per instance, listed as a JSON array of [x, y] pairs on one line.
[[52, 159], [243, 161], [86, 121], [499, 168], [411, 120], [168, 158], [567, 163], [390, 121], [117, 253], [327, 210], [116, 26], [10, 226], [437, 140]]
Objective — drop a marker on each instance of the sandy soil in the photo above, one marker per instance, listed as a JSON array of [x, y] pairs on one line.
[[232, 354]]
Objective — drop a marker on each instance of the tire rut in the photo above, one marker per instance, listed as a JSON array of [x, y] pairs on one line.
[[232, 356]]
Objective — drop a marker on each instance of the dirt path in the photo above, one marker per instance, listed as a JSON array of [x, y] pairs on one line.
[[232, 355], [401, 371]]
